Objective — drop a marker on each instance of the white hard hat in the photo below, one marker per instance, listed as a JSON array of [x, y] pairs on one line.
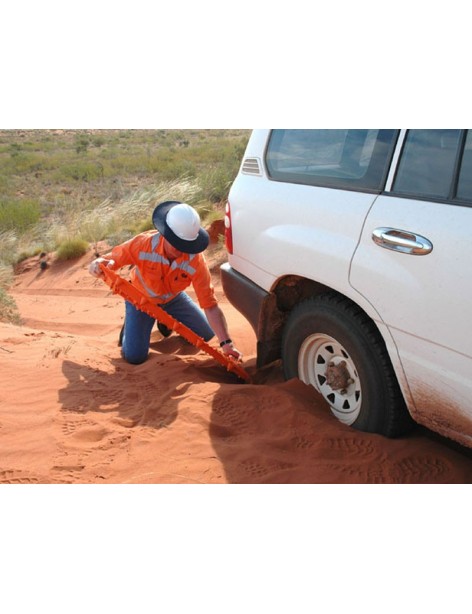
[[179, 223], [184, 222]]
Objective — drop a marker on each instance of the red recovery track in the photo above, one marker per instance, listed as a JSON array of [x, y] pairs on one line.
[[123, 287]]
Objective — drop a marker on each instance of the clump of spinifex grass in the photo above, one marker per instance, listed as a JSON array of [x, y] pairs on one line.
[[8, 307], [116, 222], [8, 243], [6, 276], [18, 214], [72, 248]]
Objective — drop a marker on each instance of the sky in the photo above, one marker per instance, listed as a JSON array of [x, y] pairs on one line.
[[237, 64]]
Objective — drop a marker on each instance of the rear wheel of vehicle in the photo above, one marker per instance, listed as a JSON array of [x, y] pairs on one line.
[[330, 344]]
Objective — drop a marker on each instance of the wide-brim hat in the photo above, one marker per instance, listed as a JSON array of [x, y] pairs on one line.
[[188, 246]]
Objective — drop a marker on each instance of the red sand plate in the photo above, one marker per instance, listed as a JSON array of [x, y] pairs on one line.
[[123, 287]]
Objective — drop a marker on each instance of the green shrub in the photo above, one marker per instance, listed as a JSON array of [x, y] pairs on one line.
[[81, 143], [19, 215], [80, 171], [15, 149], [21, 163], [72, 248]]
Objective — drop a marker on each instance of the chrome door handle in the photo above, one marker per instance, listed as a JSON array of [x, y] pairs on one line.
[[402, 241]]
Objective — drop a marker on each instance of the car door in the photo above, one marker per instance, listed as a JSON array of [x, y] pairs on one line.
[[413, 264]]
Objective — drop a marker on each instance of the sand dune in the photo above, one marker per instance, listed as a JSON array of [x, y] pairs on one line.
[[71, 411]]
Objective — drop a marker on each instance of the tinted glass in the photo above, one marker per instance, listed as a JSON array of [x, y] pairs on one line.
[[427, 163], [348, 159], [464, 187]]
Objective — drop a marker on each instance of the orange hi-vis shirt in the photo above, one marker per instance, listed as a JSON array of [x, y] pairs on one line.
[[158, 278]]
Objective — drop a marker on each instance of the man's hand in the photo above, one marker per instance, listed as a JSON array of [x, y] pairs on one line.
[[230, 350], [94, 266], [218, 323]]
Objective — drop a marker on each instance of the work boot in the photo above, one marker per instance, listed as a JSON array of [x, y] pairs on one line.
[[165, 332]]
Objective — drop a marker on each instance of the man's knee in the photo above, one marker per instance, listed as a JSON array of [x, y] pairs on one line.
[[134, 358]]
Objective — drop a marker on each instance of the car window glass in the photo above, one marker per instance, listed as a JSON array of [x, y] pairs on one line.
[[427, 163], [351, 159], [464, 187]]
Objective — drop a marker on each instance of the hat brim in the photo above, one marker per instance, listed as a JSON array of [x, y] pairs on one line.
[[199, 244]]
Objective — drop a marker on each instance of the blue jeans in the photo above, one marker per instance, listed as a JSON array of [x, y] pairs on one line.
[[138, 326]]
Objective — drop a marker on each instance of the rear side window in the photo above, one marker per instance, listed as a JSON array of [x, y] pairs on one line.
[[427, 163], [464, 186], [347, 159]]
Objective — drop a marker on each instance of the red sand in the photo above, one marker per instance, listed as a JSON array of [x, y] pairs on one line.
[[72, 411]]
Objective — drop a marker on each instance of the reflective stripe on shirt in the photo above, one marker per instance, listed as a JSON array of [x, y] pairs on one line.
[[163, 297], [153, 257], [185, 266]]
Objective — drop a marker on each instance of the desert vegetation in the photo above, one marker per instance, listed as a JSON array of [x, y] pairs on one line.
[[64, 191]]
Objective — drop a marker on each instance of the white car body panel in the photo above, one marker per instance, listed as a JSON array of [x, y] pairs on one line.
[[316, 237]]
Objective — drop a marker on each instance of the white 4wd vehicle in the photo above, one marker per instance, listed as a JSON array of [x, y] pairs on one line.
[[349, 252]]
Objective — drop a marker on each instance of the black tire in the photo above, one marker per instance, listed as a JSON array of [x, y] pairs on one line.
[[359, 384]]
